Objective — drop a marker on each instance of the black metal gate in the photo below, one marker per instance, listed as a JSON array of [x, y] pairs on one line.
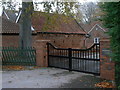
[[82, 60]]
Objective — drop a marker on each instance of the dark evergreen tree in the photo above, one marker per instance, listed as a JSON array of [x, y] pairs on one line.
[[112, 22]]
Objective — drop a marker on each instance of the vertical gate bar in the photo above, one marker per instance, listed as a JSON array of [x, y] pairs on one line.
[[60, 52], [70, 59], [48, 54], [82, 60], [67, 59], [87, 54], [91, 58], [85, 60], [99, 50], [73, 55], [60, 58], [96, 51], [63, 58], [83, 54], [93, 53], [61, 55], [65, 52], [99, 58], [80, 54], [94, 58], [78, 59], [90, 54], [88, 59]]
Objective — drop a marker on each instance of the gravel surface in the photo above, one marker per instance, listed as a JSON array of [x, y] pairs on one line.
[[39, 78]]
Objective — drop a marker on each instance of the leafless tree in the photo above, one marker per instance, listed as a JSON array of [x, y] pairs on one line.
[[88, 10]]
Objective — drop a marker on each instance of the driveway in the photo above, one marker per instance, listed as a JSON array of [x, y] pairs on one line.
[[41, 78]]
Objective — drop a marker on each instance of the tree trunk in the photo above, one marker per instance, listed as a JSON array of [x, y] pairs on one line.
[[25, 25]]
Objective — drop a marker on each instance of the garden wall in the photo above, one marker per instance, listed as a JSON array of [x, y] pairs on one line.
[[63, 40], [13, 40]]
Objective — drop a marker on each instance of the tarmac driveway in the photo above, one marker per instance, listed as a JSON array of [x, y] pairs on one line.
[[40, 78]]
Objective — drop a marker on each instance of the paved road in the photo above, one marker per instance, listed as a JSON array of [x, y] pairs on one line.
[[48, 78], [38, 78]]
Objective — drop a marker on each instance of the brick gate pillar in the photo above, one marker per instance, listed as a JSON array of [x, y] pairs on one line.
[[107, 70], [41, 53]]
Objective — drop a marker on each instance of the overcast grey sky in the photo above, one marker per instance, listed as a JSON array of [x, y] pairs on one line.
[[40, 6]]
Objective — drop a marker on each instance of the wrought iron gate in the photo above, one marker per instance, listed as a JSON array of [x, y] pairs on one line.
[[82, 60]]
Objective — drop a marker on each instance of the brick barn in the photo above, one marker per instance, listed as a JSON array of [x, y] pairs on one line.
[[65, 34]]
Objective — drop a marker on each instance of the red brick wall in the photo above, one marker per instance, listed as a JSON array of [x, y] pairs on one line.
[[10, 40], [63, 40], [59, 40], [13, 40]]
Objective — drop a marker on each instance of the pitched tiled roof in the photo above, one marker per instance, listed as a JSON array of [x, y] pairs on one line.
[[59, 23], [10, 14], [9, 26], [88, 27]]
